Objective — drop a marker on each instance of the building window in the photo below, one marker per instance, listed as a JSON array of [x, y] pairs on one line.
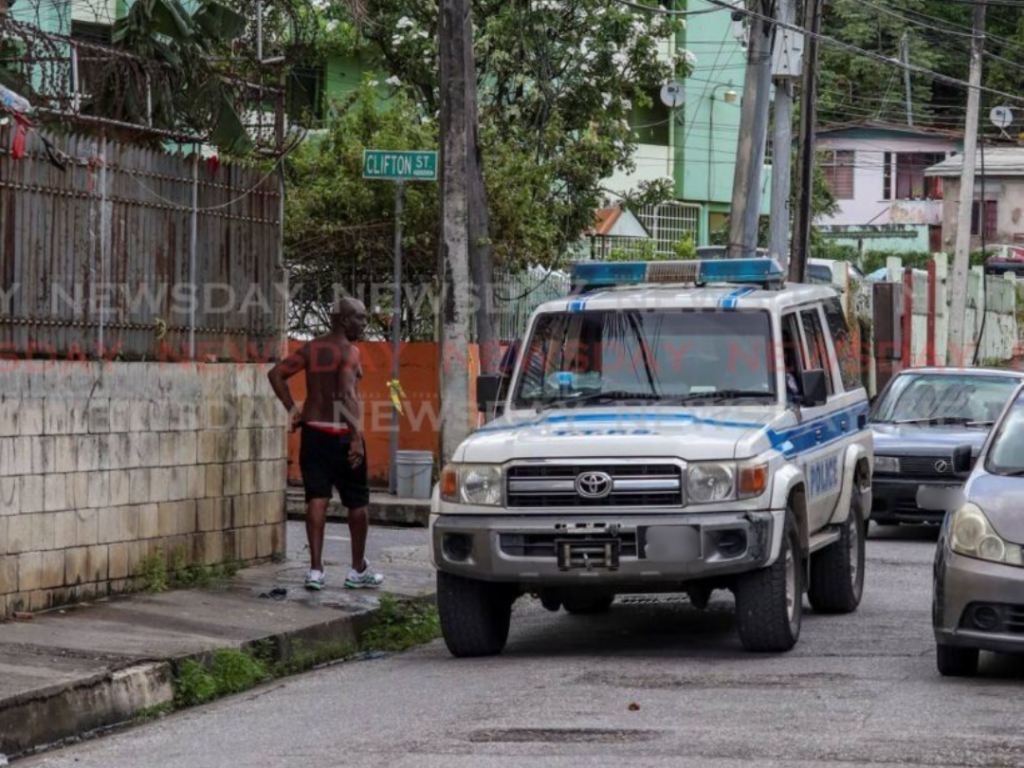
[[905, 179], [991, 218], [92, 68], [837, 166], [650, 123], [306, 96], [88, 32]]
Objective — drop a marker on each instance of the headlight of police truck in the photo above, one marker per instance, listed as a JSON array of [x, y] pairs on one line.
[[707, 482], [472, 484], [973, 535], [887, 465]]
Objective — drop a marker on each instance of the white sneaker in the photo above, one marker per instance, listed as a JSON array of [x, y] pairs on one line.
[[315, 581], [366, 579]]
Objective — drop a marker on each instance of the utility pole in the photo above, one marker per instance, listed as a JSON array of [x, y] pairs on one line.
[[905, 57], [806, 157], [782, 139], [458, 86], [745, 212], [962, 254]]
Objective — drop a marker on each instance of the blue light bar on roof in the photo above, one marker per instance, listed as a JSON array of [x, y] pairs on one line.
[[591, 275]]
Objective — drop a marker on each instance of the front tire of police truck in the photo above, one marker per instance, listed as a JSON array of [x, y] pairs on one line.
[[769, 601], [837, 572], [475, 615]]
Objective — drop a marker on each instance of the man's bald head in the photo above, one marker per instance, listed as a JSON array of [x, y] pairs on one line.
[[347, 306], [349, 316]]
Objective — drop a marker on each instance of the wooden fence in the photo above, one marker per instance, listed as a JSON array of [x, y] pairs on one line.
[[136, 253]]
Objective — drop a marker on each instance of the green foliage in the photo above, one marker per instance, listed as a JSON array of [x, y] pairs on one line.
[[229, 671], [193, 685], [685, 249], [557, 83], [399, 625], [152, 573], [302, 658], [338, 224], [188, 91], [854, 87]]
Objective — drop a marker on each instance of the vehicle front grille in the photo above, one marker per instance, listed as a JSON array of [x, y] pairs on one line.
[[633, 485], [924, 466], [543, 544]]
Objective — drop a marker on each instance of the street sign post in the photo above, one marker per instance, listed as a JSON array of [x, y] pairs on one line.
[[398, 166]]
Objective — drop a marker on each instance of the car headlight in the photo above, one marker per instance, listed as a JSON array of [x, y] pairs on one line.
[[888, 465], [973, 535], [479, 484], [707, 482]]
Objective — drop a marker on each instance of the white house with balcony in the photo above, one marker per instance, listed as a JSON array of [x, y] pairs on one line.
[[876, 172]]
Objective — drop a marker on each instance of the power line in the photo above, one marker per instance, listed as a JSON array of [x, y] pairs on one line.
[[879, 56]]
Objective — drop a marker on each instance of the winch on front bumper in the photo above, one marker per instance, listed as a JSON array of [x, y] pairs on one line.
[[602, 549]]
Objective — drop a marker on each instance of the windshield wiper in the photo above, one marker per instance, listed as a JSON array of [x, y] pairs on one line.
[[597, 397], [723, 394], [934, 420]]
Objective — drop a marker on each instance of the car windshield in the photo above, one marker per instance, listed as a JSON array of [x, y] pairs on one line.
[[1006, 456], [931, 398], [643, 357]]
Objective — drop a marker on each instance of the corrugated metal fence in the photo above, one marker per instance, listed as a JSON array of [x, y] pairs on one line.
[[137, 253]]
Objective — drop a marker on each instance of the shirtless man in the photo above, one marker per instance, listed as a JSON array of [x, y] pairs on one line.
[[333, 452]]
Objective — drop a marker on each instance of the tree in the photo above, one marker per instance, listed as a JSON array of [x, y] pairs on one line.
[[338, 226], [557, 81]]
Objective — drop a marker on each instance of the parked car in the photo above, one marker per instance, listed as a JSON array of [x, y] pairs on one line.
[[979, 569], [1007, 258], [819, 271], [918, 421]]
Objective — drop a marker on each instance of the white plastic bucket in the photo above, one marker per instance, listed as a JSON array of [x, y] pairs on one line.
[[415, 470]]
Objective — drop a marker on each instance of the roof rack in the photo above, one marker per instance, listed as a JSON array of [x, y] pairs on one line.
[[593, 275]]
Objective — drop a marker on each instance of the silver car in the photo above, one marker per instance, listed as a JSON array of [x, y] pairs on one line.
[[979, 568]]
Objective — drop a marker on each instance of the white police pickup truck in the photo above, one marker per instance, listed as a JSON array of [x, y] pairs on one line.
[[668, 427]]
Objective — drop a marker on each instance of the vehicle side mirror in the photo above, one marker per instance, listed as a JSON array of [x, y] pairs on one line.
[[962, 460], [815, 388], [487, 387]]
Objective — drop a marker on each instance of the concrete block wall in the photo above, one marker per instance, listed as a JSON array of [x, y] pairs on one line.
[[105, 464]]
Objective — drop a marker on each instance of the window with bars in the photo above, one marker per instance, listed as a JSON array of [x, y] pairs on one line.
[[92, 77], [991, 218], [905, 179], [837, 166]]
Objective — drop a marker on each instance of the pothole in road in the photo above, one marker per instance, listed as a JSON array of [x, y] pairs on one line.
[[564, 735]]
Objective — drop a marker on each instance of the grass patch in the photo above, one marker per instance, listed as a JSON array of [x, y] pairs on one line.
[[230, 671], [397, 626], [153, 573], [302, 658], [400, 625]]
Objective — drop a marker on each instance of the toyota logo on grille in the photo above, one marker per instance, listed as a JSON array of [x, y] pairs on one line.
[[941, 466], [593, 485]]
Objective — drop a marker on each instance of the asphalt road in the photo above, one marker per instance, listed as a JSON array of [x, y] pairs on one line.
[[645, 685]]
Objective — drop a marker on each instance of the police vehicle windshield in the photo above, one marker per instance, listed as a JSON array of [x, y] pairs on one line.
[[634, 357]]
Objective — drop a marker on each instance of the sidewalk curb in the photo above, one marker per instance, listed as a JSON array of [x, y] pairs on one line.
[[46, 718]]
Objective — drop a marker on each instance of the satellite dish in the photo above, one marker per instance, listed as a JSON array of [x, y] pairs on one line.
[[1001, 117], [672, 95]]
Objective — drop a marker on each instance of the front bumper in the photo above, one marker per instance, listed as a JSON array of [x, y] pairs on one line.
[[894, 499], [520, 549], [961, 581]]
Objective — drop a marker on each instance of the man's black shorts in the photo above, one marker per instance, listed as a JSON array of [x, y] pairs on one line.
[[323, 459]]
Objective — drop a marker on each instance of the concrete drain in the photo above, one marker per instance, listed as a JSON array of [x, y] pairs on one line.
[[564, 735]]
